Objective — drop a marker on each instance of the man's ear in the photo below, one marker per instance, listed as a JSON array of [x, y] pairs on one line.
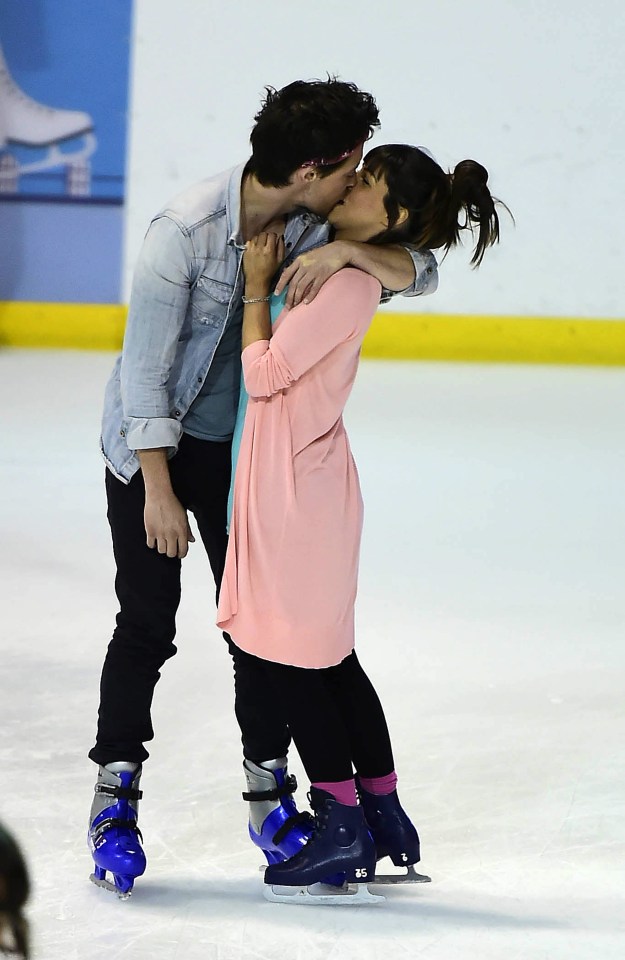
[[305, 175]]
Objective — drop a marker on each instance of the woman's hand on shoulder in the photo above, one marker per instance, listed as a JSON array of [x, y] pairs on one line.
[[263, 255]]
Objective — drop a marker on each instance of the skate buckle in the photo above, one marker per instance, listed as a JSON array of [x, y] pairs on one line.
[[410, 876], [350, 895]]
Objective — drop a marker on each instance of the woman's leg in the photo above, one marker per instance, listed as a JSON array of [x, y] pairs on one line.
[[363, 718], [393, 833]]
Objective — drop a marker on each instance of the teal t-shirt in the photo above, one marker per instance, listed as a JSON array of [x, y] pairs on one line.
[[275, 308], [212, 414]]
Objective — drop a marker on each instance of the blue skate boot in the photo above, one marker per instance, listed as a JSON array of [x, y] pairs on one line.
[[114, 836], [341, 845], [394, 835], [275, 825]]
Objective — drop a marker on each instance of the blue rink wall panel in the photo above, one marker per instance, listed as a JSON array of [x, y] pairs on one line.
[[68, 253]]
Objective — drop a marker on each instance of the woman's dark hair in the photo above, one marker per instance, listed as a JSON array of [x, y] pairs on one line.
[[440, 205], [14, 890], [308, 120]]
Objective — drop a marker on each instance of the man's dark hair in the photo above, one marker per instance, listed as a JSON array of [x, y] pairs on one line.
[[309, 120]]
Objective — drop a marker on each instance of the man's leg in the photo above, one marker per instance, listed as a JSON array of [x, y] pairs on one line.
[[264, 732], [148, 589]]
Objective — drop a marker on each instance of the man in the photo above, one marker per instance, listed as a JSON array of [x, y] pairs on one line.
[[169, 415]]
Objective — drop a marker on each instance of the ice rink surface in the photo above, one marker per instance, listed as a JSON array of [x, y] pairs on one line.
[[490, 617]]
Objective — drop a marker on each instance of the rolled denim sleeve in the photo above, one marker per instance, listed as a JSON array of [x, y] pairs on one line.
[[426, 275], [158, 305]]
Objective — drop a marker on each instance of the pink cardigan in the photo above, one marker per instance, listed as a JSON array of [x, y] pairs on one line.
[[290, 580]]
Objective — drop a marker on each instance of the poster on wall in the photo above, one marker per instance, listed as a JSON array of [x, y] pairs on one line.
[[64, 79]]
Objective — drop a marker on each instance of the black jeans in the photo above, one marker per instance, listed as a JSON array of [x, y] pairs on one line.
[[334, 715], [148, 589]]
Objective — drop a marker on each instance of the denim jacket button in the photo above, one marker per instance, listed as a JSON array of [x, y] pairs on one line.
[[122, 433], [176, 413]]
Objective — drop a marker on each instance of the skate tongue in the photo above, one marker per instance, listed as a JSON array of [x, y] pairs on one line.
[[275, 765], [122, 766], [317, 797]]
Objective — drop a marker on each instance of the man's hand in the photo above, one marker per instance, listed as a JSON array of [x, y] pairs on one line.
[[167, 526], [308, 272]]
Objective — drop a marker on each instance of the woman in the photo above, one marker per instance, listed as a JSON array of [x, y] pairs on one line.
[[288, 592], [14, 892]]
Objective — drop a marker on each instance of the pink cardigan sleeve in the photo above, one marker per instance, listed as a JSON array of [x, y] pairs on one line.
[[341, 311]]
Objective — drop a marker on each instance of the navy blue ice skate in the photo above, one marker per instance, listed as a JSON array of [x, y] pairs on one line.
[[340, 846], [114, 836], [394, 835], [275, 825]]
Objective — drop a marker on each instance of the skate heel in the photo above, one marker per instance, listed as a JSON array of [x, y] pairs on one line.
[[271, 856], [394, 835]]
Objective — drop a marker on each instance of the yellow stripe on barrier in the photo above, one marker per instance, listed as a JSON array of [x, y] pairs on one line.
[[392, 336], [84, 326], [412, 336]]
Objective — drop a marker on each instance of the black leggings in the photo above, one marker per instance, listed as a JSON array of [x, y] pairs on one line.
[[334, 715]]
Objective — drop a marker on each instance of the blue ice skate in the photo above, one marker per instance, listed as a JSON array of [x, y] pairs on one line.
[[394, 835], [341, 845], [275, 824], [114, 836]]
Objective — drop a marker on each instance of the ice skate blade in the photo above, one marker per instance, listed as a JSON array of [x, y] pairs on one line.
[[410, 876], [351, 895], [107, 885]]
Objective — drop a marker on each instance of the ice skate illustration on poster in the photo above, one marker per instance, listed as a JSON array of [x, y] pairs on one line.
[[26, 123], [63, 100]]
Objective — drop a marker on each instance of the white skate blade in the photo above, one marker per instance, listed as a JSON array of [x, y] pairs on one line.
[[351, 895], [56, 157], [410, 876], [107, 885]]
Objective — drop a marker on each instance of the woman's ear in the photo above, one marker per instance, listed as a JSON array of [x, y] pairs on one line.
[[401, 217]]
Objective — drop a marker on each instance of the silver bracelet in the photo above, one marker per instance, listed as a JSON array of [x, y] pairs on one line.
[[256, 299]]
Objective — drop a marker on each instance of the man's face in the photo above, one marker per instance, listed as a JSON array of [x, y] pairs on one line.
[[323, 193]]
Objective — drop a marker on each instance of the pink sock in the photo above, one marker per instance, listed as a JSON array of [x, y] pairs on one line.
[[380, 786], [342, 790]]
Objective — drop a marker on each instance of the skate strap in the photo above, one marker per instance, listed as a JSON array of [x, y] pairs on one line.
[[289, 787], [105, 825], [294, 821], [122, 793]]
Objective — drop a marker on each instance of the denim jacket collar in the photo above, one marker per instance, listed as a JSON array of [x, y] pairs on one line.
[[233, 206]]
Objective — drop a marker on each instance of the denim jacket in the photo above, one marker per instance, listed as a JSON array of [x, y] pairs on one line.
[[187, 282]]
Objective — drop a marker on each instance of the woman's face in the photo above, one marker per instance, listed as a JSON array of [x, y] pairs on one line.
[[362, 214]]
